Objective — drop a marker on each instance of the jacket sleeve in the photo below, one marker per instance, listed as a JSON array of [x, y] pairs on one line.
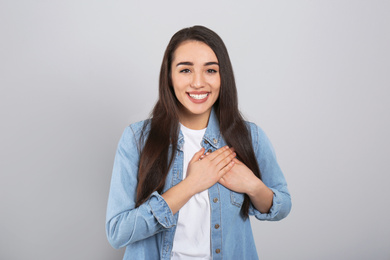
[[271, 175], [126, 224]]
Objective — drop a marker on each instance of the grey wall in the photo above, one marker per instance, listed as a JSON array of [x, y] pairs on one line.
[[313, 74]]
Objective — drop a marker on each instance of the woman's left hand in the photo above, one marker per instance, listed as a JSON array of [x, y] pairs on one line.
[[240, 178]]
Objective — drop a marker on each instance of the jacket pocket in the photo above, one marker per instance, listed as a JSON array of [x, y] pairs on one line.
[[236, 198]]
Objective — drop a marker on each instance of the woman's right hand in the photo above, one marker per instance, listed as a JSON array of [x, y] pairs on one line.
[[206, 172]]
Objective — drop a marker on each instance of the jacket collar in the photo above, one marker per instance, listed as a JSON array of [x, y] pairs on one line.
[[212, 135]]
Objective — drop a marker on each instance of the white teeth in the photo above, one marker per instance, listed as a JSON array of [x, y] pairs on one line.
[[201, 96]]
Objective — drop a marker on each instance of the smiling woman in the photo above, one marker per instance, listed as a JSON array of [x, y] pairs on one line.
[[196, 82], [185, 181]]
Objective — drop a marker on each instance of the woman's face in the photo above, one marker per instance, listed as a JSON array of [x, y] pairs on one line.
[[196, 82]]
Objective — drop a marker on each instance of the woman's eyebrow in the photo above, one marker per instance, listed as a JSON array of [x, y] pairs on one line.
[[211, 63], [188, 63]]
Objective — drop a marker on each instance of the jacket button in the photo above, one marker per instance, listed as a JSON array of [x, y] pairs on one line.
[[217, 250], [209, 151], [214, 140], [216, 226], [215, 200]]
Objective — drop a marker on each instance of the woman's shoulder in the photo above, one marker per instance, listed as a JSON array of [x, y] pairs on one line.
[[134, 135], [259, 137], [138, 127], [136, 130], [254, 128]]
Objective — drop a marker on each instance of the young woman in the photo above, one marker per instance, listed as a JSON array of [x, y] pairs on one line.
[[185, 181]]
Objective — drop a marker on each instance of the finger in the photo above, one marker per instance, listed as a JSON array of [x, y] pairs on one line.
[[214, 154], [224, 161], [220, 157], [226, 169], [236, 160], [233, 150], [197, 156], [222, 181]]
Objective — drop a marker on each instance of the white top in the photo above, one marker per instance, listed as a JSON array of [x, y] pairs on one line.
[[192, 237]]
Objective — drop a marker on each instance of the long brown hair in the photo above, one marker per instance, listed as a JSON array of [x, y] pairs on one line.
[[156, 155]]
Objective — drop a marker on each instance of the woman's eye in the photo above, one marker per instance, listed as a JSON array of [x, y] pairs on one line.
[[211, 71], [185, 71]]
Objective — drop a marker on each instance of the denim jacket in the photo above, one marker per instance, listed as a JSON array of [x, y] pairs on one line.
[[147, 232]]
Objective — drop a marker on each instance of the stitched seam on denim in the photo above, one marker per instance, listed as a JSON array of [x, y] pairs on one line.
[[135, 223], [233, 201], [257, 137], [135, 141], [220, 221], [158, 220], [163, 244]]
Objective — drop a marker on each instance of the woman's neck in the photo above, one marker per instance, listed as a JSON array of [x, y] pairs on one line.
[[195, 122]]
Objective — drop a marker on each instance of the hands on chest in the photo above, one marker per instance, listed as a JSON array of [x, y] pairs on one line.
[[239, 178], [204, 170]]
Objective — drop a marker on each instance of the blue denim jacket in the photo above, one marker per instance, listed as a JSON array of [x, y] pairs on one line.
[[147, 232]]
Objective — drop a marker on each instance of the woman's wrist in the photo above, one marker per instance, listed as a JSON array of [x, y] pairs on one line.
[[178, 195], [255, 187], [189, 186], [261, 196]]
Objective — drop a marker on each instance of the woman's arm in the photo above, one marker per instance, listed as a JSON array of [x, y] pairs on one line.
[[241, 179], [126, 224], [269, 196], [201, 175]]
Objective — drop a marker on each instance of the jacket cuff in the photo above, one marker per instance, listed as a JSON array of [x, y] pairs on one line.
[[274, 210], [161, 210]]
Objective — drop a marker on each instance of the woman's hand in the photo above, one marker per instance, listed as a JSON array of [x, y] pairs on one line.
[[240, 178], [206, 172], [201, 175]]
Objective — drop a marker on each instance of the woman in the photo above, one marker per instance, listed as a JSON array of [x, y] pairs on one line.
[[185, 181]]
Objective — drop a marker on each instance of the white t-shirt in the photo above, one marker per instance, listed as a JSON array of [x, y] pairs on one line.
[[192, 237]]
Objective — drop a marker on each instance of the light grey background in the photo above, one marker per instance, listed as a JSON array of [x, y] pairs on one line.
[[313, 74]]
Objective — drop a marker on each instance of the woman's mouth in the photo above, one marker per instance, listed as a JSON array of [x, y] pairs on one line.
[[198, 97]]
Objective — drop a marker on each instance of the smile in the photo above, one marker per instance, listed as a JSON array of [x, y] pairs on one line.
[[198, 96]]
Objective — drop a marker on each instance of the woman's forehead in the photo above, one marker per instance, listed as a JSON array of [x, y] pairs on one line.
[[194, 51]]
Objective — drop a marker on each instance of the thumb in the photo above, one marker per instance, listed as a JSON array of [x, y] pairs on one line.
[[235, 160], [197, 155]]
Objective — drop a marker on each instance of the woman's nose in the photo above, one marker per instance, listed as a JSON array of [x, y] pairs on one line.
[[197, 80]]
